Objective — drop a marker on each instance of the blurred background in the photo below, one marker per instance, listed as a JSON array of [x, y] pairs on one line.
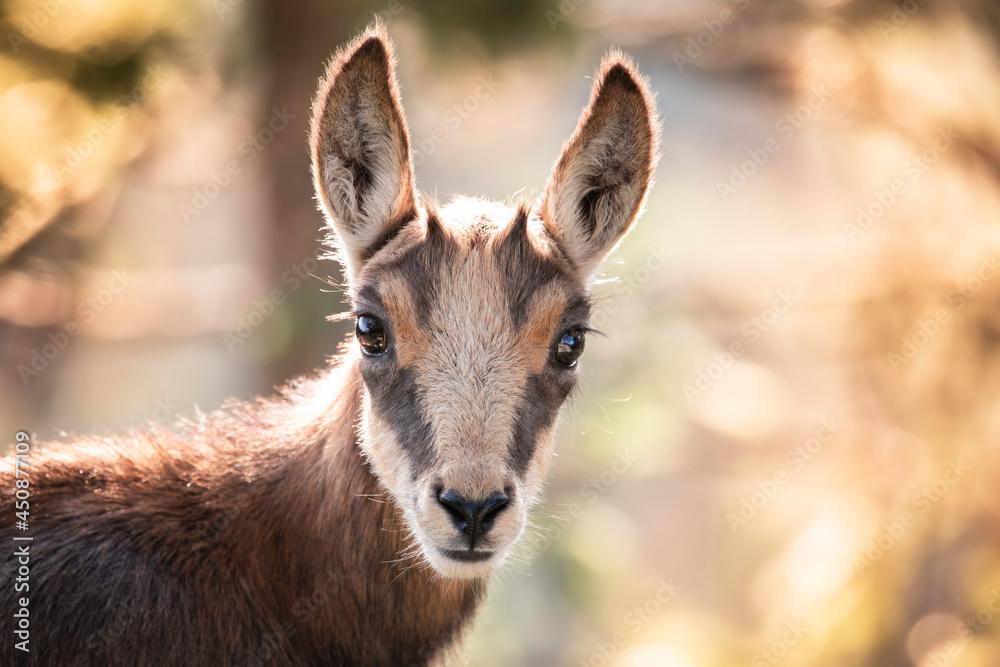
[[786, 450]]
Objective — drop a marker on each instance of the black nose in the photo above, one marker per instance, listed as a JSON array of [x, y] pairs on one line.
[[472, 518]]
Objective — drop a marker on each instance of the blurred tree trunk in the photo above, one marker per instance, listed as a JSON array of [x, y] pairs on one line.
[[300, 37]]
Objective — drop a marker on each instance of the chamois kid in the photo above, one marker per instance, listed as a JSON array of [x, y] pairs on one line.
[[355, 518]]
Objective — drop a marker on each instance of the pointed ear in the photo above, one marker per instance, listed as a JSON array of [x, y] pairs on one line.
[[597, 188], [361, 149]]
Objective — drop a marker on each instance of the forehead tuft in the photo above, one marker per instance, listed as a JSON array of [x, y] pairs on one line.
[[472, 255], [474, 220]]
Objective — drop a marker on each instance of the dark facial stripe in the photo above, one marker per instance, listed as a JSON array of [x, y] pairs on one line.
[[577, 311], [420, 265], [394, 397], [407, 215], [543, 396], [369, 297], [524, 269]]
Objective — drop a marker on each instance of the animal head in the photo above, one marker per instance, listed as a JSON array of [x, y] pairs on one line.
[[471, 318]]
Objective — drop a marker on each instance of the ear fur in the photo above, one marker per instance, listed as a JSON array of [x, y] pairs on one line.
[[361, 149], [598, 186]]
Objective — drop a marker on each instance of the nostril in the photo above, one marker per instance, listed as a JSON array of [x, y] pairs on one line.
[[473, 518], [462, 513], [491, 509]]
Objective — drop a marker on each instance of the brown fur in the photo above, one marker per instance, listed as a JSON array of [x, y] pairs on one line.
[[220, 545], [600, 181], [311, 529]]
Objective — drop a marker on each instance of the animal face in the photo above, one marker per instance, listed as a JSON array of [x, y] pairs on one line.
[[471, 319]]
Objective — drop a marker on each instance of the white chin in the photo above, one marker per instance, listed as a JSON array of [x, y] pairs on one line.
[[463, 564]]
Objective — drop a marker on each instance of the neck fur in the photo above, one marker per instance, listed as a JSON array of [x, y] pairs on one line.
[[350, 577]]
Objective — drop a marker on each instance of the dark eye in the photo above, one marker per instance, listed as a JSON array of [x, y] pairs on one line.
[[371, 335], [570, 347]]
